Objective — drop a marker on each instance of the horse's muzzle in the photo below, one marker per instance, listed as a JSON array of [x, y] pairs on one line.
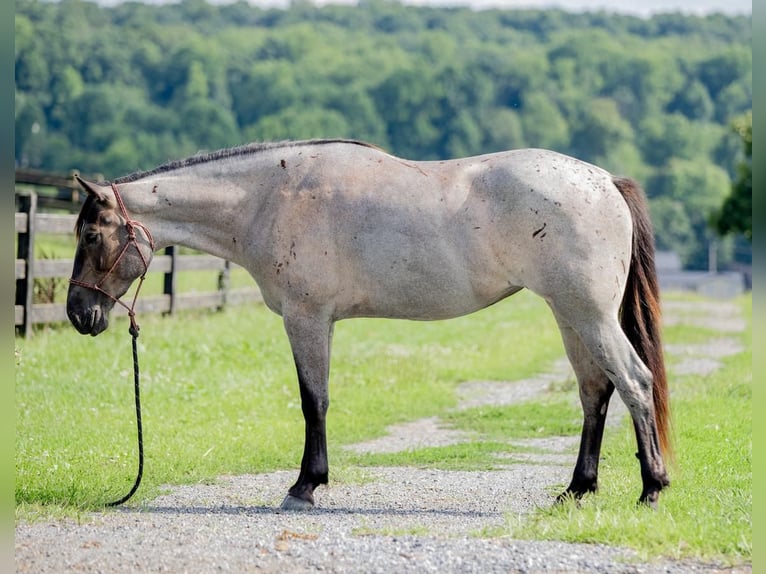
[[89, 321]]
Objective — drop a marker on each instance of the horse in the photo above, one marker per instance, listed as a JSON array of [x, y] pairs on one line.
[[336, 229]]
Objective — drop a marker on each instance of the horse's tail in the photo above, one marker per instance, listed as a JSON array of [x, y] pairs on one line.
[[640, 314]]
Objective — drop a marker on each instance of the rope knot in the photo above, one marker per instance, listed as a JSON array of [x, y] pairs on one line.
[[131, 230], [134, 328]]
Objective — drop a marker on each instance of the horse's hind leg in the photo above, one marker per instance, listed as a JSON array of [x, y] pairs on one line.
[[595, 391], [601, 334]]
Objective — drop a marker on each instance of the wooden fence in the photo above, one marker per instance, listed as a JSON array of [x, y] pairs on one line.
[[29, 312]]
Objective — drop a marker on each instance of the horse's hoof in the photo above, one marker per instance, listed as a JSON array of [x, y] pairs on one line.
[[568, 497], [651, 502], [650, 498], [294, 504]]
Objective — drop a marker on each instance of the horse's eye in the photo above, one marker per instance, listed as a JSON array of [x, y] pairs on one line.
[[92, 238]]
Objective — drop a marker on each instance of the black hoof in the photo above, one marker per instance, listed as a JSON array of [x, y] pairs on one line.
[[568, 496], [650, 499], [295, 504]]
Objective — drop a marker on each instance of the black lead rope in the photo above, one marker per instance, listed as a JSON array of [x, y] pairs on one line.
[[130, 225], [134, 333]]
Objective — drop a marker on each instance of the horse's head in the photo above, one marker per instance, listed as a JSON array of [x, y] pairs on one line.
[[112, 252]]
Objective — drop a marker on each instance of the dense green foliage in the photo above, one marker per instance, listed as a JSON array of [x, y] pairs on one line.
[[736, 215], [113, 90]]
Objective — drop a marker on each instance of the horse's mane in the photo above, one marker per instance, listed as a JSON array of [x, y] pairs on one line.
[[241, 150]]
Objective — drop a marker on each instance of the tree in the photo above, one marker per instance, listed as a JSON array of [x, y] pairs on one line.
[[502, 128], [298, 122], [721, 70], [30, 131], [599, 130], [120, 88], [736, 213], [693, 101], [699, 188], [672, 227], [209, 126], [409, 101], [665, 137], [544, 125]]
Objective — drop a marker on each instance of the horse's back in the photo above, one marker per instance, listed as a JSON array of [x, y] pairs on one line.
[[383, 236]]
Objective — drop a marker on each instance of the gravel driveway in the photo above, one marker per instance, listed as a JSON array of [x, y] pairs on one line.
[[385, 520]]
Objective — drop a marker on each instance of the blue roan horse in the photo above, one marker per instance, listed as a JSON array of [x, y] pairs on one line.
[[334, 229]]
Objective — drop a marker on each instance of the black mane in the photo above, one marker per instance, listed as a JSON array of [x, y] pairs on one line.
[[231, 152]]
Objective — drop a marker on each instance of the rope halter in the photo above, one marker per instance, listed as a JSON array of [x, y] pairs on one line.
[[130, 226]]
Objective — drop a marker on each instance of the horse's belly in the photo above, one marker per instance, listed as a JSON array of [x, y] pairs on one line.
[[413, 307], [404, 290]]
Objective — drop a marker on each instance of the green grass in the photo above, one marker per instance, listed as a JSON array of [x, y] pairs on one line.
[[54, 246], [707, 511], [554, 416], [220, 397]]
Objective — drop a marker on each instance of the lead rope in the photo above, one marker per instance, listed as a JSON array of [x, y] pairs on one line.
[[136, 379], [130, 225], [134, 329]]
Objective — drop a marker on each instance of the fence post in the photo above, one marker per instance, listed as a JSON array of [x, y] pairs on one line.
[[169, 282], [25, 250]]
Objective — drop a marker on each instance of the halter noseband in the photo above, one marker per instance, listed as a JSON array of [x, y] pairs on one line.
[[130, 226]]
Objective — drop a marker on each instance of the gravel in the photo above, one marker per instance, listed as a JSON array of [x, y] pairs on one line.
[[379, 520], [391, 520]]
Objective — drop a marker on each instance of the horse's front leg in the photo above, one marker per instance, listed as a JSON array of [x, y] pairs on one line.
[[310, 339]]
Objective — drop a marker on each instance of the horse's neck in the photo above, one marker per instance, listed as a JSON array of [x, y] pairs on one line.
[[200, 213], [216, 206]]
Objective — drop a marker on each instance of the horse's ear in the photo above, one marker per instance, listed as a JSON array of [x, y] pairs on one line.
[[94, 189]]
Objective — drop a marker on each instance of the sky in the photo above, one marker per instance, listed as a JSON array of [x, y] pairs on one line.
[[635, 7]]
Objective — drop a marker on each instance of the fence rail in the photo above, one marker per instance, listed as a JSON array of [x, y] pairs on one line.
[[29, 222]]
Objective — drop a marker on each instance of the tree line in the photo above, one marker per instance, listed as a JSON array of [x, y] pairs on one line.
[[112, 90]]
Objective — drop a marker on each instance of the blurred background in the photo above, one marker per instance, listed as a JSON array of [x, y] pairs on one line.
[[659, 91]]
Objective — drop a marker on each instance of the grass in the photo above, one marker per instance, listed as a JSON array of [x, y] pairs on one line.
[[555, 416], [707, 511], [220, 397]]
